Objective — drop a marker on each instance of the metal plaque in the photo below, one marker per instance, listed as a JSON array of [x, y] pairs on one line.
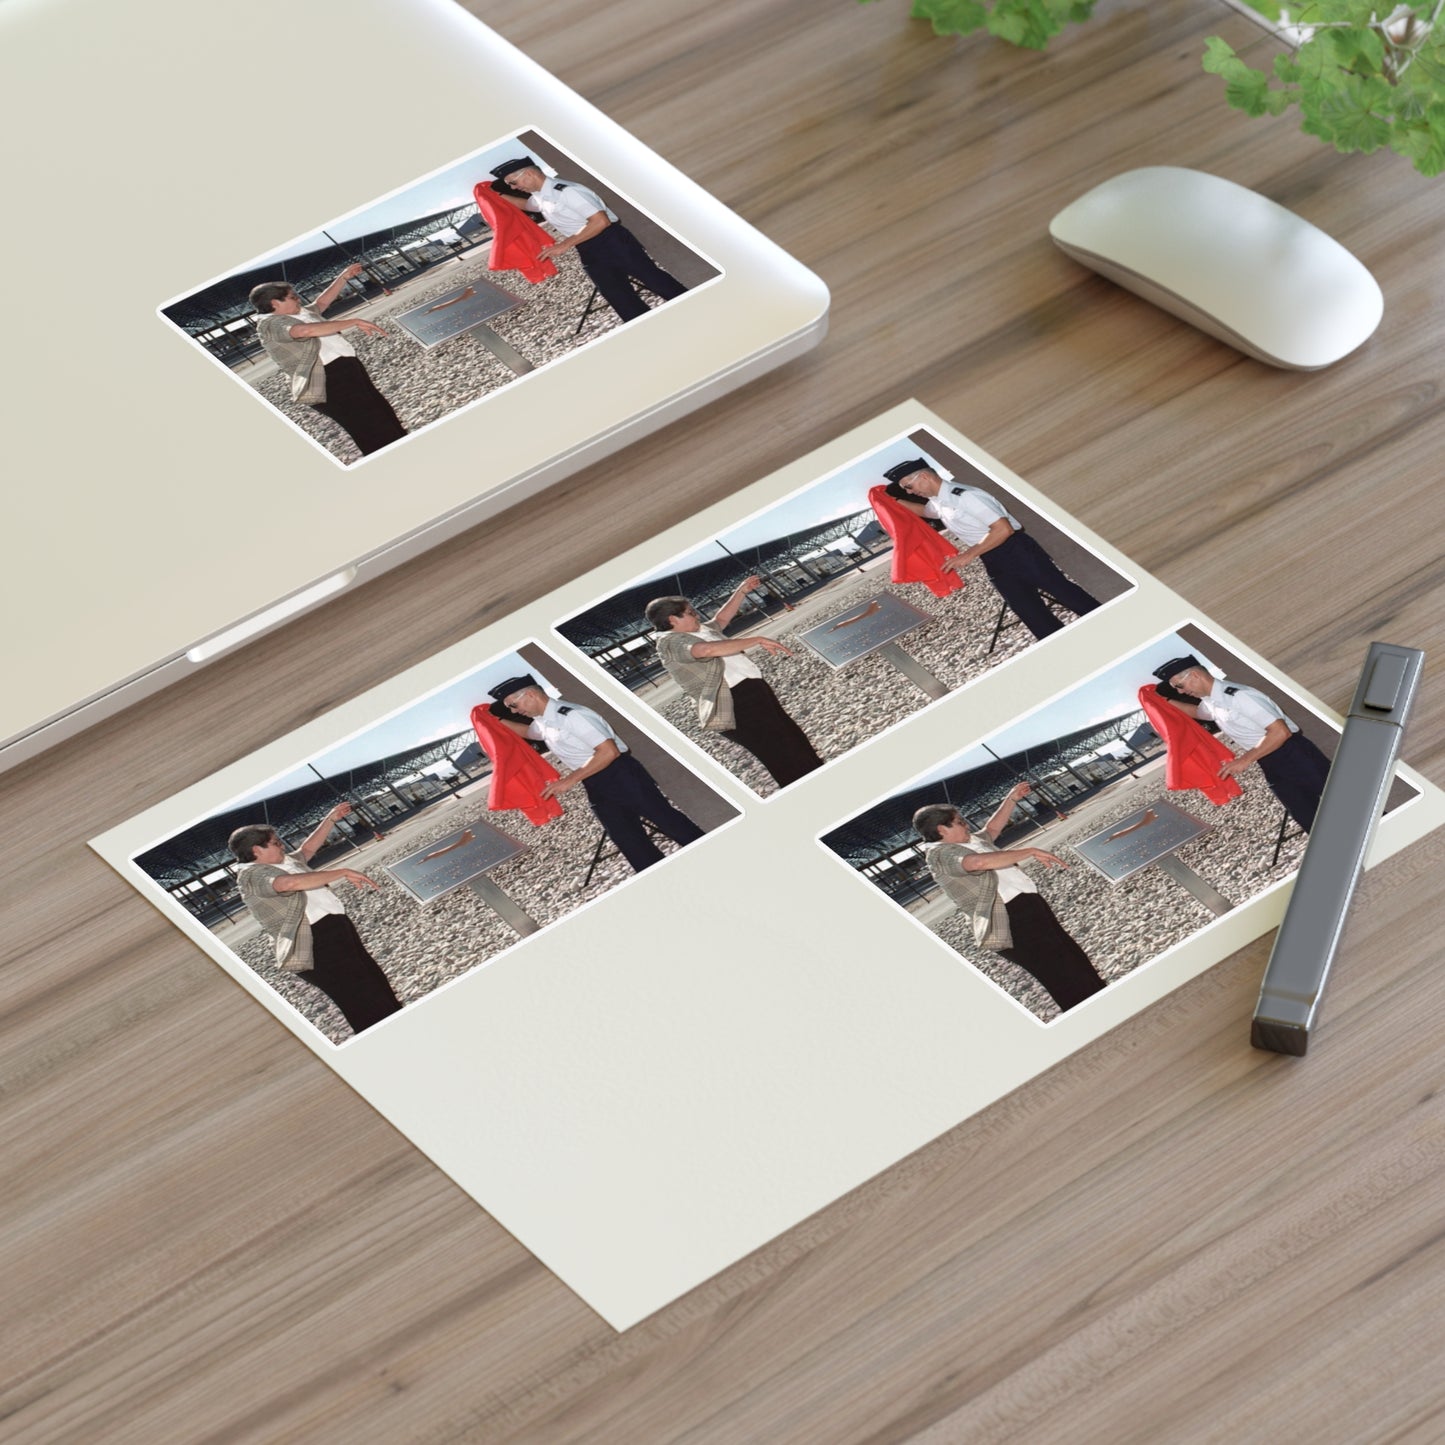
[[1132, 843], [444, 317], [448, 863], [863, 628]]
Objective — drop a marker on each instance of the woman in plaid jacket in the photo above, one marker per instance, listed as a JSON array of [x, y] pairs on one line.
[[1009, 915]]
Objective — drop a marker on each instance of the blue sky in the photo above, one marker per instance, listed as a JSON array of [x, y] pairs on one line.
[[441, 715], [450, 187], [839, 495], [1107, 696]]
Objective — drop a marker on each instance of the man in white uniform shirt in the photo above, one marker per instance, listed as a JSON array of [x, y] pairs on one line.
[[1293, 766], [1018, 566], [730, 691], [610, 254], [1008, 914], [621, 792]]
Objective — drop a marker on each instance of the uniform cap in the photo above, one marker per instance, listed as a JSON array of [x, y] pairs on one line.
[[1177, 665], [504, 690], [907, 469], [507, 167]]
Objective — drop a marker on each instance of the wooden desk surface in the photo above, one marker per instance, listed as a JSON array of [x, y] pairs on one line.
[[1169, 1237]]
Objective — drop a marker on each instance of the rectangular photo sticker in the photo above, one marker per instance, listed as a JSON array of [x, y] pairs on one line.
[[382, 322], [819, 622], [1081, 842], [414, 851]]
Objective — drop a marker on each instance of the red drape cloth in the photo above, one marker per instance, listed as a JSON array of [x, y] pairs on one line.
[[518, 774], [516, 241], [1193, 755], [918, 551]]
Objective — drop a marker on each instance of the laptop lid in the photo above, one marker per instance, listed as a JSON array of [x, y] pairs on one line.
[[169, 496]]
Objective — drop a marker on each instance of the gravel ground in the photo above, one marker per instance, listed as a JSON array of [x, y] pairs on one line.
[[424, 386], [1123, 925], [839, 710], [421, 948]]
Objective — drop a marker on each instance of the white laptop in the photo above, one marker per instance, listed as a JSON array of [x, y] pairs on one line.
[[173, 489]]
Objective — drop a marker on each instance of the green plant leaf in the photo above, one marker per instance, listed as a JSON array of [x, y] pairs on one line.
[[1361, 52], [1218, 54], [1285, 69], [1337, 12], [1352, 119], [1318, 65], [1421, 145], [1247, 88], [1030, 23], [951, 17], [1409, 105], [1276, 102], [1422, 139], [1027, 23]]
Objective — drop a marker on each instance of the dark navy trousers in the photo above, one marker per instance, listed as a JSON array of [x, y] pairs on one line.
[[1296, 772], [622, 795], [614, 259], [1020, 570]]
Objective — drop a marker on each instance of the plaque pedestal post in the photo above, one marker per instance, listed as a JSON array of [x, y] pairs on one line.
[[1191, 882], [912, 669], [504, 351], [504, 906]]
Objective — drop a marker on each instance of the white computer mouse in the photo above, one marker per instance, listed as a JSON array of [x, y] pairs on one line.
[[1227, 260]]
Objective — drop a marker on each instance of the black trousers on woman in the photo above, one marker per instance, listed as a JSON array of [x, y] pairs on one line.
[[357, 407], [1042, 947], [763, 726], [347, 974]]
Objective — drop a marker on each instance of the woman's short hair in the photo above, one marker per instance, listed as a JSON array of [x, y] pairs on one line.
[[927, 821], [661, 610], [244, 841], [267, 293]]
